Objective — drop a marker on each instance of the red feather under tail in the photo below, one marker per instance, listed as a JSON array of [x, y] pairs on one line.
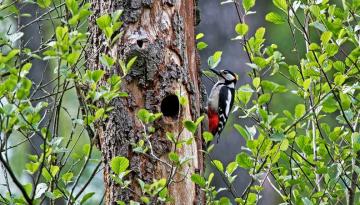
[[213, 121]]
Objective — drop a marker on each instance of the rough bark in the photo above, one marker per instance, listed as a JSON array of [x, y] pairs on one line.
[[161, 34]]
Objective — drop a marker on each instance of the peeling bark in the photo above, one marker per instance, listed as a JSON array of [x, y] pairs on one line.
[[161, 34]]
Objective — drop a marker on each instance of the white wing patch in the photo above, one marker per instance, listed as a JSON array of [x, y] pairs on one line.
[[228, 100]]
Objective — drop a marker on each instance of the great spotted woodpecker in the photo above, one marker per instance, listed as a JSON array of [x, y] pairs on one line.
[[220, 101]]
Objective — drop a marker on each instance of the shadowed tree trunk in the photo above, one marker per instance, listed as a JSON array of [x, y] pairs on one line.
[[161, 34]]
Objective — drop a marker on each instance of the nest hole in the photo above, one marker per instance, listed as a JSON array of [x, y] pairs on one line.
[[170, 106], [140, 43]]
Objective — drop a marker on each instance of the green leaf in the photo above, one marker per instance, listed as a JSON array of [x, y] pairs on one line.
[[107, 60], [119, 164], [103, 21], [244, 160], [260, 62], [325, 37], [143, 115], [116, 15], [54, 195], [273, 87], [248, 4], [339, 79], [299, 110], [277, 137], [318, 26], [331, 49], [284, 145], [32, 167], [72, 6], [108, 32], [134, 202], [45, 173], [231, 167], [260, 32], [356, 141], [73, 58], [224, 201], [339, 66], [145, 199], [264, 98], [86, 149], [252, 198], [199, 120], [67, 177], [61, 33], [345, 100], [9, 56], [274, 18], [218, 165], [154, 116], [243, 132], [54, 170], [306, 83], [86, 197], [208, 137], [302, 141], [314, 47], [256, 82], [243, 94], [239, 201], [217, 56], [8, 109], [199, 36], [190, 125], [215, 59], [201, 45], [315, 10], [241, 28], [174, 157], [183, 100], [119, 202], [170, 136], [199, 180], [43, 3], [329, 105], [96, 75], [130, 64], [306, 201], [28, 188], [281, 4]]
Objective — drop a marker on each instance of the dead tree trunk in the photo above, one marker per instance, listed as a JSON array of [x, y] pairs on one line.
[[161, 34]]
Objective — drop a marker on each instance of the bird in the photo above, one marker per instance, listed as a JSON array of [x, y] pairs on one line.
[[220, 101]]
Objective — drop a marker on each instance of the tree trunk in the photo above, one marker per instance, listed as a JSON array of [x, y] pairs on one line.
[[161, 34]]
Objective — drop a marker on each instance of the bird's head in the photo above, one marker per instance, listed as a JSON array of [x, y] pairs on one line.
[[226, 76]]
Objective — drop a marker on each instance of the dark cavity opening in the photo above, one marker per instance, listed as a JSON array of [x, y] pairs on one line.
[[140, 43], [170, 106]]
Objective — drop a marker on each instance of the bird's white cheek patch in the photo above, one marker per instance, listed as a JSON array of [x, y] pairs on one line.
[[231, 85]]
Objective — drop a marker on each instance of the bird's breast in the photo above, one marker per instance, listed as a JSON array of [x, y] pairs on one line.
[[213, 100]]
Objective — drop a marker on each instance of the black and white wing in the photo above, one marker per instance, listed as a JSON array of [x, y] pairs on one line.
[[226, 100]]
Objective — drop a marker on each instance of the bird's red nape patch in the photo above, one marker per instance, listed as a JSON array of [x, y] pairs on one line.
[[213, 121]]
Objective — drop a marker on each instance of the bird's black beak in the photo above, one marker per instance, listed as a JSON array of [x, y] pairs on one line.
[[215, 71]]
